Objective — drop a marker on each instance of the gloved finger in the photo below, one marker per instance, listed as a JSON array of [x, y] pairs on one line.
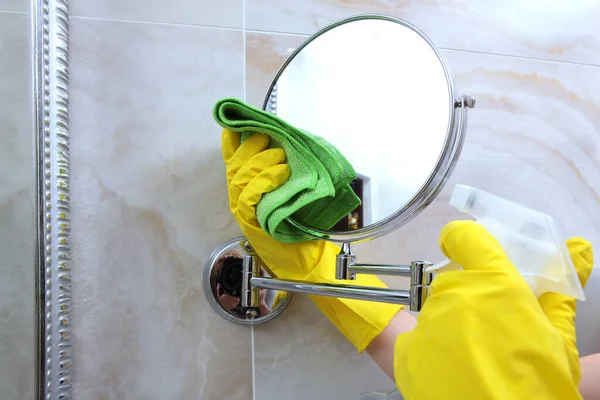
[[583, 258], [230, 141], [470, 245], [257, 164], [251, 146], [561, 310], [264, 182]]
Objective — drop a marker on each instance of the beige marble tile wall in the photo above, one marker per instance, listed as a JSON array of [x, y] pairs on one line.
[[149, 200], [558, 30], [149, 205], [17, 352], [13, 6]]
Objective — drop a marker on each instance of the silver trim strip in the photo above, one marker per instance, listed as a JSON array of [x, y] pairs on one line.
[[50, 62]]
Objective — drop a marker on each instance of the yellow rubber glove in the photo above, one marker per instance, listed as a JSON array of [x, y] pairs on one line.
[[482, 334], [253, 170], [561, 310]]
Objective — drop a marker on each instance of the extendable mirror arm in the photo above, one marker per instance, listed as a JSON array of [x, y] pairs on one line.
[[346, 270]]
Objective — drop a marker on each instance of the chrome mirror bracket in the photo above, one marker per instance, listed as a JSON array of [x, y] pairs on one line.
[[227, 278], [247, 305], [420, 279]]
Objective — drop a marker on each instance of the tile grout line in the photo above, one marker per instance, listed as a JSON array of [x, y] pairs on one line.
[[177, 24], [13, 12], [306, 35], [277, 33], [244, 45], [244, 79], [134, 21], [487, 53], [253, 369]]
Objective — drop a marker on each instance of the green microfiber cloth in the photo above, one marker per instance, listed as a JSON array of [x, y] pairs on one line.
[[318, 192]]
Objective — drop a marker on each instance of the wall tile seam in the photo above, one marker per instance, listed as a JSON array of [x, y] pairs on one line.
[[11, 12], [267, 32]]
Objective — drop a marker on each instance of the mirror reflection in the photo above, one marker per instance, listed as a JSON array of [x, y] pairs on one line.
[[224, 274], [379, 92], [227, 278]]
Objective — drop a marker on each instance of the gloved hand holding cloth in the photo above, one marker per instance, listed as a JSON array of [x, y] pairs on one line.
[[316, 193], [254, 170]]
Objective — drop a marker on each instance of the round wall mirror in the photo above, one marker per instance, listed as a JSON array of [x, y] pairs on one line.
[[377, 89]]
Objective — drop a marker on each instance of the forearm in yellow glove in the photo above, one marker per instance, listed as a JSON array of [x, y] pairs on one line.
[[252, 170], [482, 334]]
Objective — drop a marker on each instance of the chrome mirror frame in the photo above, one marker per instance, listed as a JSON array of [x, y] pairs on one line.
[[445, 164], [50, 90]]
